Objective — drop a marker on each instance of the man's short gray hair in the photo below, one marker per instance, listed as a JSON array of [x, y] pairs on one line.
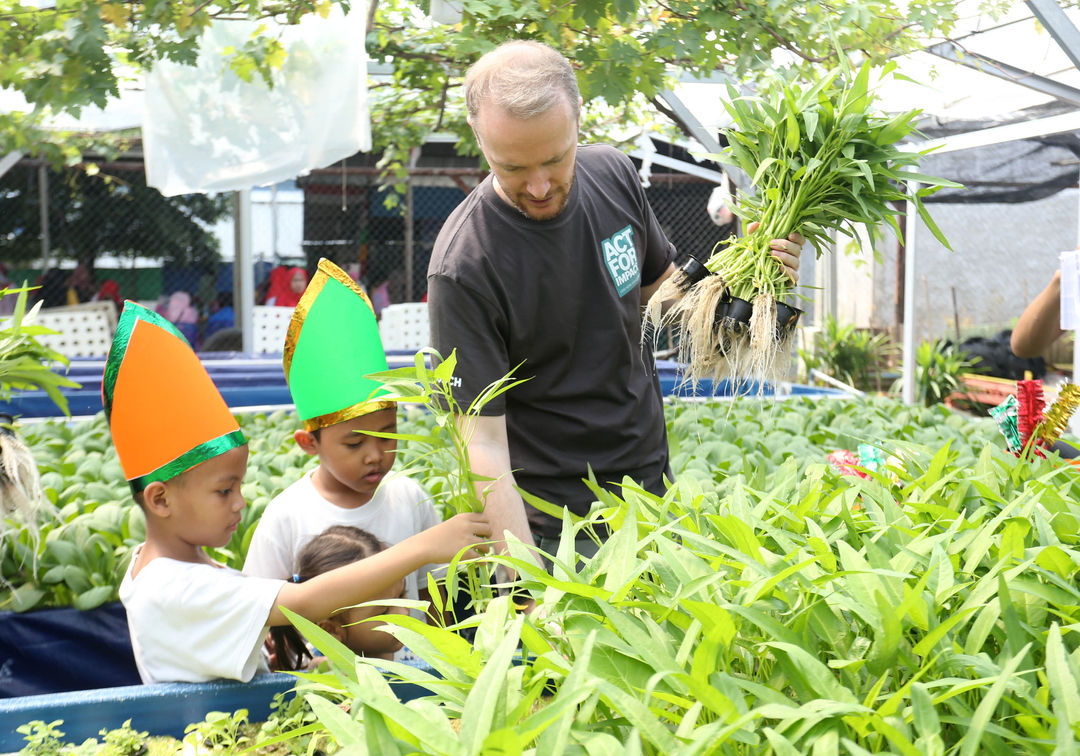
[[522, 77]]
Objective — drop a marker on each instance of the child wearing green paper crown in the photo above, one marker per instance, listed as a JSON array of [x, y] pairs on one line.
[[332, 343]]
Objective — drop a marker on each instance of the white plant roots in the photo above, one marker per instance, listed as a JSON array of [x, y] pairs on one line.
[[713, 350]]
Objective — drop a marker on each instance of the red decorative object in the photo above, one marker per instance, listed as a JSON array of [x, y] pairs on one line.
[[845, 462], [1029, 412]]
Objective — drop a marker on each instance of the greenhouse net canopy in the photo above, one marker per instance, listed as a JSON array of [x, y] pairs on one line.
[[990, 73]]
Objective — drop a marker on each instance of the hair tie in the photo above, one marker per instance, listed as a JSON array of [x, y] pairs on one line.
[[296, 577]]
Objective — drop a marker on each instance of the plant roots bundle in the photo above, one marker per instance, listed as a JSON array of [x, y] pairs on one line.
[[821, 161], [723, 336], [21, 498]]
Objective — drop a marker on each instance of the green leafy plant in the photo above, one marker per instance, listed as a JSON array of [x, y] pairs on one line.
[[853, 355], [938, 368], [123, 741], [25, 363], [766, 604], [290, 723], [219, 732], [923, 610], [821, 159], [98, 523], [41, 739], [445, 446]]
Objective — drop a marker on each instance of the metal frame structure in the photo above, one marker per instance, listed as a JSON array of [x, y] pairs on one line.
[[1067, 36]]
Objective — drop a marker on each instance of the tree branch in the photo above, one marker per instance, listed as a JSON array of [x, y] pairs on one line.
[[665, 110], [371, 14]]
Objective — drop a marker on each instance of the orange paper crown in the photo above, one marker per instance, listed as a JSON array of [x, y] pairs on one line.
[[165, 414]]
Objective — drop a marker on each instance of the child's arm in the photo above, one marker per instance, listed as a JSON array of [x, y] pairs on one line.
[[317, 598]]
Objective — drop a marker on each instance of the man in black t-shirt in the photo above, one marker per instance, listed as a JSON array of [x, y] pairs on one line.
[[544, 268]]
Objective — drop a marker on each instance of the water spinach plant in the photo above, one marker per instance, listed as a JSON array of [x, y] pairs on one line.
[[440, 454], [929, 609], [765, 605], [821, 159]]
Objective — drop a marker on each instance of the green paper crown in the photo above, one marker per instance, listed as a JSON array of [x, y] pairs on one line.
[[332, 344]]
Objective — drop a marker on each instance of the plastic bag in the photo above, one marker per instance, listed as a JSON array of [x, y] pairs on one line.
[[205, 129]]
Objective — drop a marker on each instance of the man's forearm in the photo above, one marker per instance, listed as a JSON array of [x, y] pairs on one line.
[[489, 458], [504, 508]]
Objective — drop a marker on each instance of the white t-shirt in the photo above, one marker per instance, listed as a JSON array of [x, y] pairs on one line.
[[193, 622], [400, 508]]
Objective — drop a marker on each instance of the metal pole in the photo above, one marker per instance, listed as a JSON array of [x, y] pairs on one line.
[[908, 378], [244, 270], [43, 215], [1053, 18], [410, 240], [1076, 337], [409, 251], [898, 294], [274, 224], [832, 277]]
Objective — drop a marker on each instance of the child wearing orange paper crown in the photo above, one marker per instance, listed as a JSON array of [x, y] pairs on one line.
[[192, 619], [331, 345]]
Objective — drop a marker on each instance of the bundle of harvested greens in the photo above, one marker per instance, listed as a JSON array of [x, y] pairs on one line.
[[821, 160]]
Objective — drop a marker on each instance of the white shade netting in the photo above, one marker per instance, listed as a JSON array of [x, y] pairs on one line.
[[206, 130]]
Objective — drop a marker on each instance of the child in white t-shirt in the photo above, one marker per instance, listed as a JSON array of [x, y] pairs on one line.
[[331, 346], [353, 485]]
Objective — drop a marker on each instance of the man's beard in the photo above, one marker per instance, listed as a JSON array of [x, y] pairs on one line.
[[564, 198]]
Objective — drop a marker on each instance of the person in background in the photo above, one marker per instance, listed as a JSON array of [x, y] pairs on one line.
[[221, 314], [1039, 327], [286, 286], [1040, 323], [180, 312], [718, 207], [335, 547], [380, 297], [262, 289], [110, 292], [80, 285], [53, 291]]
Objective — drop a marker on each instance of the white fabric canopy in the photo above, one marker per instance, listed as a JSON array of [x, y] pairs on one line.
[[207, 130]]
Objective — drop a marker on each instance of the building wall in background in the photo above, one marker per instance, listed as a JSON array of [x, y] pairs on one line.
[[1003, 255]]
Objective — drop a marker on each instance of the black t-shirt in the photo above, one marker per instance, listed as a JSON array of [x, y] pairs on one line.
[[559, 299]]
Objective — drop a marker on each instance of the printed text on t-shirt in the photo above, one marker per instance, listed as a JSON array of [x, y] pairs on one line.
[[621, 260]]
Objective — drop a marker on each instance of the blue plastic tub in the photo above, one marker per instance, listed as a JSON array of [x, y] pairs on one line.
[[246, 381], [160, 709], [163, 709]]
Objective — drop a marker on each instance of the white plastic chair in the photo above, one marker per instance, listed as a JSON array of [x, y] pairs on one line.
[[84, 330], [405, 326], [270, 324]]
